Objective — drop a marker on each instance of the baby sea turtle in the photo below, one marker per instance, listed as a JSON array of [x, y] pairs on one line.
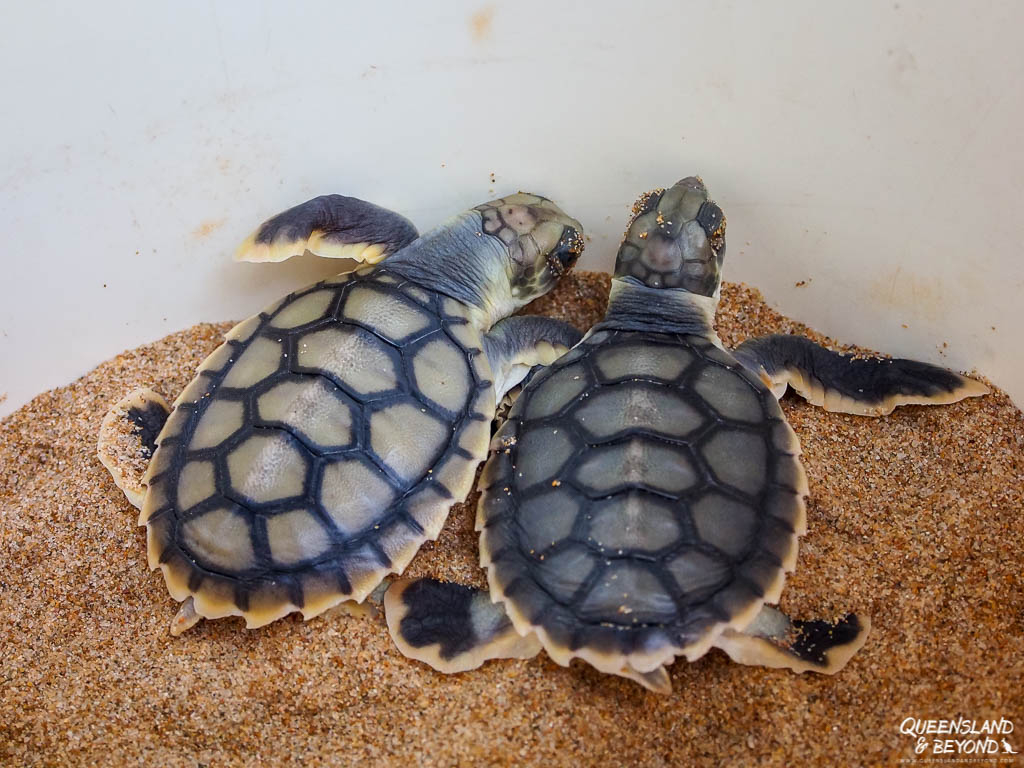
[[645, 496], [326, 439]]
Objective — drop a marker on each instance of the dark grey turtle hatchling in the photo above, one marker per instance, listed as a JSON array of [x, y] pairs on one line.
[[645, 496], [326, 439]]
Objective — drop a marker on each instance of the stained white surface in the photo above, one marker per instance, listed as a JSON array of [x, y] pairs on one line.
[[870, 151]]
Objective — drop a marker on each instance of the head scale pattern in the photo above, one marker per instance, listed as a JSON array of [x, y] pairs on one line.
[[543, 242], [675, 239]]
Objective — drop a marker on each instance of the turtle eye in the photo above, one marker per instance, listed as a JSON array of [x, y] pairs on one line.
[[712, 221], [564, 255], [710, 218]]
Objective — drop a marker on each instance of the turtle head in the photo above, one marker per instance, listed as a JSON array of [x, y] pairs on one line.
[[676, 239], [541, 240]]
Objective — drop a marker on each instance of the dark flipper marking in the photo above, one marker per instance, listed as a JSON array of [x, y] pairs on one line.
[[868, 386], [775, 640], [127, 440], [149, 416], [333, 226], [451, 627], [815, 638]]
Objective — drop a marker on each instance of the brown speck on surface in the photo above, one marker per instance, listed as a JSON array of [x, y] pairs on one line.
[[207, 227], [480, 23], [914, 520]]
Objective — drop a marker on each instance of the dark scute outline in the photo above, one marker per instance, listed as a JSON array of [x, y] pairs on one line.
[[267, 574], [514, 565]]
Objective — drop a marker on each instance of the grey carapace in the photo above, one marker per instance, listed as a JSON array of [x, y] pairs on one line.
[[327, 438], [645, 496]]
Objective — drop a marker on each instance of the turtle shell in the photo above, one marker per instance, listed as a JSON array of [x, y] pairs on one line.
[[644, 495], [318, 448]]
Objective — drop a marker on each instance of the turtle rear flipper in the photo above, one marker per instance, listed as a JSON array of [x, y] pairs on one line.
[[331, 226], [453, 628], [127, 440], [865, 386], [774, 640], [450, 627]]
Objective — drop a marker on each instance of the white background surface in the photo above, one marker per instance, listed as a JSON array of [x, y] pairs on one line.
[[871, 149]]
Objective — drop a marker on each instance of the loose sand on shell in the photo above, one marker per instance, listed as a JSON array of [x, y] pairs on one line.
[[914, 519]]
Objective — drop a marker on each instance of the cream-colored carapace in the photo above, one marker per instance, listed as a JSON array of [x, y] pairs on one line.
[[328, 436]]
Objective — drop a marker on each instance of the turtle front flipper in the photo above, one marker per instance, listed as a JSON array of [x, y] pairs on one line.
[[450, 627], [127, 440], [515, 345], [331, 226], [866, 386], [775, 640]]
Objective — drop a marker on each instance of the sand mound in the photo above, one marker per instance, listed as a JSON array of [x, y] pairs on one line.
[[915, 520]]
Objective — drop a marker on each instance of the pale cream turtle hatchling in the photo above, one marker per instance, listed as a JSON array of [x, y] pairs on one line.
[[327, 438], [645, 496]]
